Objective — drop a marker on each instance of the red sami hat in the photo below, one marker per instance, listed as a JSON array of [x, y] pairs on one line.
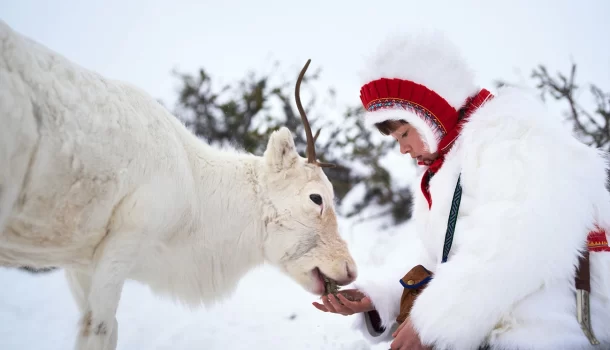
[[421, 79]]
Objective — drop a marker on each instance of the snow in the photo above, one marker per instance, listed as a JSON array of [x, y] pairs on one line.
[[37, 312], [268, 310]]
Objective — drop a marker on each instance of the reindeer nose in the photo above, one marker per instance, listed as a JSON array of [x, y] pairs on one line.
[[351, 272]]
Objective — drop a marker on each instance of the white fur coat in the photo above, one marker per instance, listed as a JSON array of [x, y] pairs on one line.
[[531, 193]]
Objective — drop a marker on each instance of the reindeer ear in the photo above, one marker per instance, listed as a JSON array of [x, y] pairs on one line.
[[281, 152]]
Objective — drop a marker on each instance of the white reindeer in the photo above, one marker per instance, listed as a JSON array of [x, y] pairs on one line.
[[97, 178]]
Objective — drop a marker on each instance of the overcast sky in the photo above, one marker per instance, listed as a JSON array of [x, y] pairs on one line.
[[141, 41]]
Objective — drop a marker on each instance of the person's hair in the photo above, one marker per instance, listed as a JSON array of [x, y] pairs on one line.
[[389, 126]]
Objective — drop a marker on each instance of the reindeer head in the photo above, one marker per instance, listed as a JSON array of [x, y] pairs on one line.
[[302, 232]]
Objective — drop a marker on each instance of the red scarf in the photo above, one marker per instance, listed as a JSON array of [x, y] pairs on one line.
[[445, 145]]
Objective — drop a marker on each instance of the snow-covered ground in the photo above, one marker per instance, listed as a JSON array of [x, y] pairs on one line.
[[268, 310]]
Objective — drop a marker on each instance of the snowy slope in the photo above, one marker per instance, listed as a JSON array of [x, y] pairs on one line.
[[268, 311]]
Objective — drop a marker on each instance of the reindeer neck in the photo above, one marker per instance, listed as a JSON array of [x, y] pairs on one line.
[[224, 238]]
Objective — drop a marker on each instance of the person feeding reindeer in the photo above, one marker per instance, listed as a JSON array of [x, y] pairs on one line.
[[511, 209]]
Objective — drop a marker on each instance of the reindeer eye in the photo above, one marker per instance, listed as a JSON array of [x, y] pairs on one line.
[[316, 198]]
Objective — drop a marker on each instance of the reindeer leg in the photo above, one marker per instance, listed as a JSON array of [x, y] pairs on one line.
[[132, 222], [80, 284], [114, 259]]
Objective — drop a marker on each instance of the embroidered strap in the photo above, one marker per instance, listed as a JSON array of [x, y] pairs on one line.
[[455, 208], [597, 242]]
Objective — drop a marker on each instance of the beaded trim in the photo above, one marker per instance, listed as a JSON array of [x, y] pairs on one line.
[[393, 103], [597, 246], [597, 241]]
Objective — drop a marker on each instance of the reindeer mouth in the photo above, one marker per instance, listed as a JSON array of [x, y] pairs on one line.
[[330, 285]]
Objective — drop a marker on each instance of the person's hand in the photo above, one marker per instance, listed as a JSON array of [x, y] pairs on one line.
[[405, 338], [332, 304]]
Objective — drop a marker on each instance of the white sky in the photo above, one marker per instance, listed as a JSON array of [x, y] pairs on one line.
[[141, 41]]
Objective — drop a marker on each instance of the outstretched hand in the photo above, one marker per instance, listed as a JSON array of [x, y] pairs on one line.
[[331, 303]]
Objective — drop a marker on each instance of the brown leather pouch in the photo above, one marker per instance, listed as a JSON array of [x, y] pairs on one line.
[[414, 282]]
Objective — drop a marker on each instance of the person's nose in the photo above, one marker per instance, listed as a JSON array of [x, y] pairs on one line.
[[404, 148]]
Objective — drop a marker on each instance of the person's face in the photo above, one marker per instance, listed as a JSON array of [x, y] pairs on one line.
[[411, 142]]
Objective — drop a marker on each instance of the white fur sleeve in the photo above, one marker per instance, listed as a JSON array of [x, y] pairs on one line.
[[528, 216], [382, 285], [385, 295], [364, 324]]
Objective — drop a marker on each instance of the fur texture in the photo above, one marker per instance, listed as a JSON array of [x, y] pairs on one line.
[[99, 179], [429, 59], [531, 194]]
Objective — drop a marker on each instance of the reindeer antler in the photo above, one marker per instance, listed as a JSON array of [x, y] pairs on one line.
[[311, 140]]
